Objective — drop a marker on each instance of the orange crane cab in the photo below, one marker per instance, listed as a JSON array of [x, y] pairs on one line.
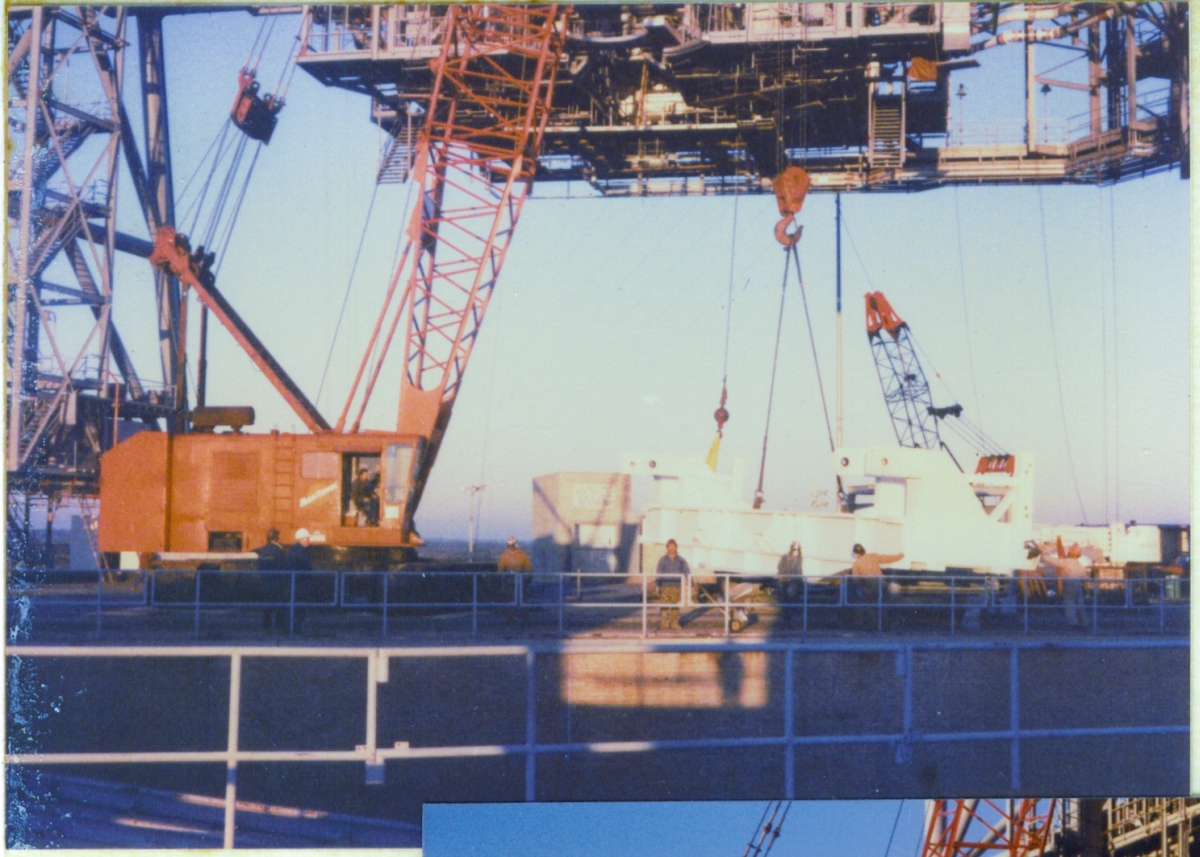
[[220, 493]]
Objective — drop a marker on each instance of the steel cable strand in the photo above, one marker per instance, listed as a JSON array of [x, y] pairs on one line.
[[1054, 348], [758, 492]]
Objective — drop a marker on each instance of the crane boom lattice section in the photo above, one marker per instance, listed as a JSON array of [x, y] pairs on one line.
[[986, 828], [905, 389], [475, 162]]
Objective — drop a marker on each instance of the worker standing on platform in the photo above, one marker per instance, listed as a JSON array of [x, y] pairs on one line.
[[299, 558], [672, 565], [270, 558], [867, 572], [1071, 573], [516, 561], [790, 586]]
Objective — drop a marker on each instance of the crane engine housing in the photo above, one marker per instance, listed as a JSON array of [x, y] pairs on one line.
[[205, 493]]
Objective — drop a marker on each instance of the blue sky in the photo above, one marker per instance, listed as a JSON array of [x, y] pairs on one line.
[[607, 330], [811, 829]]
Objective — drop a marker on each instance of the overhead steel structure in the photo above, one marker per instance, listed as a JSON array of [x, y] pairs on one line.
[[73, 390], [1116, 827], [668, 99], [706, 98]]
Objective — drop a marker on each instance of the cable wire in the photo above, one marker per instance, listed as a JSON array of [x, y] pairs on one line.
[[1054, 348], [762, 467], [962, 280], [813, 341], [1112, 243], [346, 297], [895, 823]]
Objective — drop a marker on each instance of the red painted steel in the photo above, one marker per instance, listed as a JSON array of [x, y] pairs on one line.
[[171, 254], [987, 828], [475, 162]]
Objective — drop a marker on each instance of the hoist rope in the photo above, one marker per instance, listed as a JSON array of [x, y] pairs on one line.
[[729, 296], [346, 297], [1103, 366], [1054, 349], [762, 467], [254, 46], [895, 824], [962, 281], [813, 341], [982, 442], [237, 210], [1112, 243], [203, 159], [778, 828]]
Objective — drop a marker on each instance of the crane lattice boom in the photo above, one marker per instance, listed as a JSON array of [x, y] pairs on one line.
[[475, 162]]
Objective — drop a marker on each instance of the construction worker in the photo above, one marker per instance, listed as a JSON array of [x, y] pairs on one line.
[[299, 558], [1071, 573], [789, 587], [364, 493], [867, 574], [516, 561], [270, 586], [675, 566]]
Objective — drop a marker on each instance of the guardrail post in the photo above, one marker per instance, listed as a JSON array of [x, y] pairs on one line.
[[530, 725], [952, 605], [881, 584], [645, 601], [99, 599], [1096, 607], [804, 585], [474, 603], [1014, 716], [1025, 587], [235, 705], [562, 597], [148, 585], [199, 574], [386, 575], [291, 603], [725, 606], [789, 723], [1162, 605]]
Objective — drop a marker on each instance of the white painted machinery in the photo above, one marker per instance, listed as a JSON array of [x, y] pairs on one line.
[[920, 505]]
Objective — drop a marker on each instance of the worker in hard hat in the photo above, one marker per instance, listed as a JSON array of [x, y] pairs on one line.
[[1071, 573], [299, 559], [516, 561], [867, 580], [675, 567]]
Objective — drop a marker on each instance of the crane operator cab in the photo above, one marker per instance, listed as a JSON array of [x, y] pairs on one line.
[[222, 492]]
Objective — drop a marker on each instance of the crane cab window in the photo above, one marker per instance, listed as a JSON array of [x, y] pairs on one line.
[[399, 473], [360, 490]]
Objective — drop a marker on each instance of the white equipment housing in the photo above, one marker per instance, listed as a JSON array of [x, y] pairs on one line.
[[924, 507], [1115, 544]]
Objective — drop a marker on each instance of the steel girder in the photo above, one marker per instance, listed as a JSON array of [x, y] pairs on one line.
[[987, 828], [71, 380]]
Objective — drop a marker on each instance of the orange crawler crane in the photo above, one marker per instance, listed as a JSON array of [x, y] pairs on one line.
[[205, 492]]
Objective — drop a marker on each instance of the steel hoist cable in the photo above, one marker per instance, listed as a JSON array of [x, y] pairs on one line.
[[762, 467], [1054, 348]]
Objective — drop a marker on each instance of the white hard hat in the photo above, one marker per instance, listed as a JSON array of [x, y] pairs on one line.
[[512, 541], [302, 534]]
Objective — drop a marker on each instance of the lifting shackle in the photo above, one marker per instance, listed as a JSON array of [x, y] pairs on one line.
[[790, 186]]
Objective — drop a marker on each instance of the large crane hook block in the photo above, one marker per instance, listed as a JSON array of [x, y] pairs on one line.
[[791, 186], [255, 116]]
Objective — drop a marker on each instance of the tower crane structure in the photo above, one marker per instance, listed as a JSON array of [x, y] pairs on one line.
[[1116, 827], [477, 102]]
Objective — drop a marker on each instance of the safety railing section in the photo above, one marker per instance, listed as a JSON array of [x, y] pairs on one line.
[[370, 603], [787, 740]]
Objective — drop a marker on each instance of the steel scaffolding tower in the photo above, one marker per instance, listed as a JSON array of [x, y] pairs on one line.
[[73, 389]]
